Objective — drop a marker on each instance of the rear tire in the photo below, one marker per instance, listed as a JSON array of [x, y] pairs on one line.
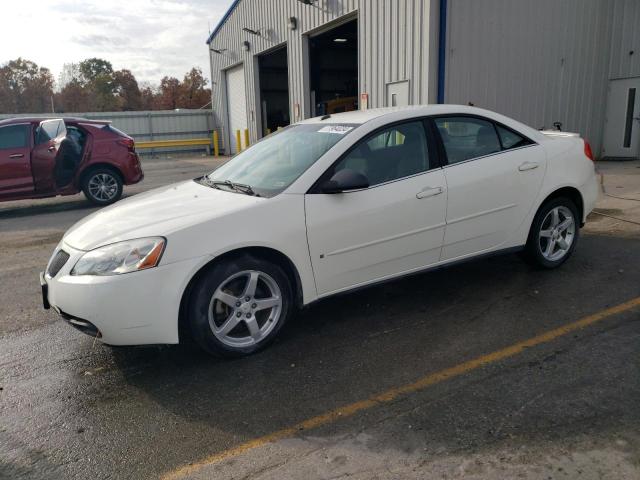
[[239, 305], [102, 186], [554, 233]]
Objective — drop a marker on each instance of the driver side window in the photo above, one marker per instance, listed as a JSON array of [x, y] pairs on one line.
[[14, 136], [396, 152]]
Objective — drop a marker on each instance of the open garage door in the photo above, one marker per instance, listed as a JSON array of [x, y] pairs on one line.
[[333, 62], [237, 105], [274, 90]]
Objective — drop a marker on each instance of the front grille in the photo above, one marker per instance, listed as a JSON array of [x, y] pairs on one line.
[[57, 262]]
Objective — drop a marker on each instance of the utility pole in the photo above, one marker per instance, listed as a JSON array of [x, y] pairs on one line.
[[53, 110]]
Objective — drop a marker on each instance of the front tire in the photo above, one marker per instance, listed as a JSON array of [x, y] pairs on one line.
[[554, 233], [238, 307], [102, 186]]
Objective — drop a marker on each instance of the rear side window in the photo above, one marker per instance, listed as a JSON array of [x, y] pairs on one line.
[[511, 139], [113, 129], [465, 138], [14, 136]]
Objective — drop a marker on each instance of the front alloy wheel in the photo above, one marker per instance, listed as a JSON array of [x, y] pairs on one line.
[[245, 308], [239, 305]]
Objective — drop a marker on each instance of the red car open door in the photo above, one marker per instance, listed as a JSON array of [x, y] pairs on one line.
[[48, 137], [15, 160]]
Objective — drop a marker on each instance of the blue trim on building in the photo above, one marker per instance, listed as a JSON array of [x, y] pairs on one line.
[[442, 49], [222, 22]]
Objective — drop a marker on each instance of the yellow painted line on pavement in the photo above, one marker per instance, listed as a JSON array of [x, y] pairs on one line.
[[392, 394]]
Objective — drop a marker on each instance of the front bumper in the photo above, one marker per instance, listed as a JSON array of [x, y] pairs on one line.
[[138, 308]]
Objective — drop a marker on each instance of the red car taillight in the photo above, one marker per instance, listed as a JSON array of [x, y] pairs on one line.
[[127, 142], [587, 151]]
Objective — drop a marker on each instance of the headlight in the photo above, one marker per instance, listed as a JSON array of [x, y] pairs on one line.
[[121, 257]]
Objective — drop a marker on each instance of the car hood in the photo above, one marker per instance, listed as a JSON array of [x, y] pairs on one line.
[[157, 212]]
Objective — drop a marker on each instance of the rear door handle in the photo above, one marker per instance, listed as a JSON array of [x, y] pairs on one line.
[[51, 149], [528, 166], [429, 192], [16, 155]]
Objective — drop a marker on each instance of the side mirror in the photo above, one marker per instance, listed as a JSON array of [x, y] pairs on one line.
[[344, 181]]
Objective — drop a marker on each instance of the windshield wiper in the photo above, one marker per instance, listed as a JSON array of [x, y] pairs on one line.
[[238, 187]]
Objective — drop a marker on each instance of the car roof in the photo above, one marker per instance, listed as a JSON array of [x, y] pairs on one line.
[[13, 121], [363, 116]]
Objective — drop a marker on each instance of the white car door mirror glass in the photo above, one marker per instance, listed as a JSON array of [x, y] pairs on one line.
[[344, 181]]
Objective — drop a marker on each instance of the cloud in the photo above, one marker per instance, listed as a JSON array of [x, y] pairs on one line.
[[152, 38], [101, 41]]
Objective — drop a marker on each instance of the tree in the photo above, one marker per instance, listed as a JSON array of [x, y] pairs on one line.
[[126, 86], [147, 96], [93, 85], [73, 97], [25, 87], [169, 94], [92, 68], [98, 78], [194, 91], [70, 73]]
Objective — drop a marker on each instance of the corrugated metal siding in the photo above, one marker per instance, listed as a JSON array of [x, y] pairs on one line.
[[393, 45], [542, 61], [625, 39]]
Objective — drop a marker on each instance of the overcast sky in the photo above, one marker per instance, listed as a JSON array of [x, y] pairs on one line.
[[152, 38]]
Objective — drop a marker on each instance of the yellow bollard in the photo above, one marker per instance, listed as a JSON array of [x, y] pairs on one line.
[[238, 141], [268, 131], [246, 138], [279, 128], [216, 144]]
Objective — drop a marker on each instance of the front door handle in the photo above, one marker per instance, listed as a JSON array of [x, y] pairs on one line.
[[528, 166], [16, 155], [429, 192]]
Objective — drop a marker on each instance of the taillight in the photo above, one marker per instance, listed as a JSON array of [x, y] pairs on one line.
[[127, 142], [587, 151]]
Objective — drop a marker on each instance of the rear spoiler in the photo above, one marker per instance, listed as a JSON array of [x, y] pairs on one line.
[[558, 133], [86, 120]]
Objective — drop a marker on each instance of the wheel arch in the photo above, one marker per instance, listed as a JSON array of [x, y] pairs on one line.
[[264, 253], [84, 173], [571, 193]]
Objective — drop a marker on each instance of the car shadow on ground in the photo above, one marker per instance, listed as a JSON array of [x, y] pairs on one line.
[[29, 208], [348, 348]]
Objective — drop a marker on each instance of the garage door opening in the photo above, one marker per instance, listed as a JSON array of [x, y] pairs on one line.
[[333, 66], [274, 90]]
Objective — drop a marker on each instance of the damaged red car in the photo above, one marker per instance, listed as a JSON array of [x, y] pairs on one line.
[[64, 156]]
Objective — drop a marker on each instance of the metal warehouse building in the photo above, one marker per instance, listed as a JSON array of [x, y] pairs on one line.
[[577, 62]]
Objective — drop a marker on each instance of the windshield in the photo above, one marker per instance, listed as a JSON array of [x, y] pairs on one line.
[[274, 163]]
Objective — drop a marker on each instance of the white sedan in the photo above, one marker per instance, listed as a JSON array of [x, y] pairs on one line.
[[324, 206]]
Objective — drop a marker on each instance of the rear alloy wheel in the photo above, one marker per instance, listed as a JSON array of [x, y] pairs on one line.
[[103, 187], [554, 233], [239, 306]]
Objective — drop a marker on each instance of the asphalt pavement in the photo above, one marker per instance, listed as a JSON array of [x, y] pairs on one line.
[[404, 380]]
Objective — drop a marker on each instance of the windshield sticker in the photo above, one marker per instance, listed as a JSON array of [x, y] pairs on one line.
[[337, 129]]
